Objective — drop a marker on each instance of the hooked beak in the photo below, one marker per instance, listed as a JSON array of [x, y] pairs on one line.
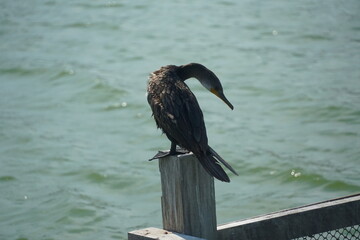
[[222, 97]]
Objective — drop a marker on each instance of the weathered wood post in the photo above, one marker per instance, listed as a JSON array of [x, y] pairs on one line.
[[188, 197]]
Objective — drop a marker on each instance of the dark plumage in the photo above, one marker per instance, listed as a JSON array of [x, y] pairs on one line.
[[177, 112]]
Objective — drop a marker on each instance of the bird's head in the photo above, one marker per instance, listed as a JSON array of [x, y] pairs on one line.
[[206, 77]]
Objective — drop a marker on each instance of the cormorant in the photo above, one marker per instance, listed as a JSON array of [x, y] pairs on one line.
[[177, 113]]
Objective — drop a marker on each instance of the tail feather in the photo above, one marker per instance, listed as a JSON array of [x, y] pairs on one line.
[[210, 162], [226, 164], [213, 167]]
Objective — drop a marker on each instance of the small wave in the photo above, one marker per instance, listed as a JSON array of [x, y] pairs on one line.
[[96, 177], [21, 71], [63, 73], [99, 92], [77, 25], [115, 106], [316, 37], [7, 178], [109, 4], [318, 180], [81, 212], [316, 113], [97, 25], [341, 186]]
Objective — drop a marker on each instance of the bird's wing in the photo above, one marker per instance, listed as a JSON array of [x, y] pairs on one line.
[[182, 119]]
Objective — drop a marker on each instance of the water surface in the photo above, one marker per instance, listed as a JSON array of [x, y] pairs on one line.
[[76, 130]]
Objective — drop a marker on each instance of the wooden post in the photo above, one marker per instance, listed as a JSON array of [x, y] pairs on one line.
[[188, 197]]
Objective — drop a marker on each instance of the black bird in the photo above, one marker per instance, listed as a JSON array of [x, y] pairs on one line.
[[177, 113]]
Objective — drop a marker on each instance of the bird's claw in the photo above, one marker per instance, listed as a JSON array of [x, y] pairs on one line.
[[162, 154]]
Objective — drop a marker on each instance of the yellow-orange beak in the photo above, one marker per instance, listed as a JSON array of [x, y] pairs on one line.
[[222, 97]]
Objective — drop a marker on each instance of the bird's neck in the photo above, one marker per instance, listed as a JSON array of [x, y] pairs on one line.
[[194, 70]]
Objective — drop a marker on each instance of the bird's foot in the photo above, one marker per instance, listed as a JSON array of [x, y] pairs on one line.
[[162, 154]]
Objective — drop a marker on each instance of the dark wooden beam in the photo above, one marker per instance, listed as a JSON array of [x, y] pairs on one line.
[[297, 222]]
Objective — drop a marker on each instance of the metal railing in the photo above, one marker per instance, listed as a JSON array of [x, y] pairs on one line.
[[347, 233]]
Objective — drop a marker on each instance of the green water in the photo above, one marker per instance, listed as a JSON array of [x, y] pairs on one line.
[[76, 130]]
